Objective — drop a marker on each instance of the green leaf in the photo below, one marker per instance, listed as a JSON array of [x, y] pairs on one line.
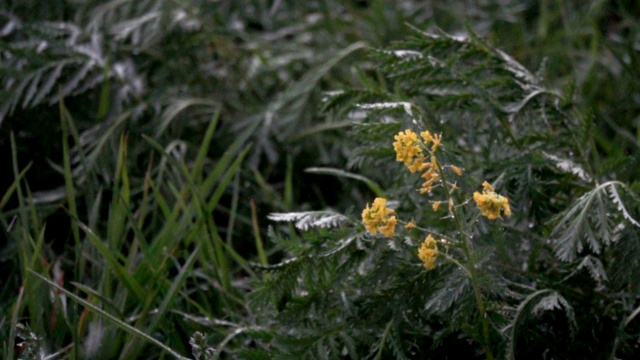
[[593, 220]]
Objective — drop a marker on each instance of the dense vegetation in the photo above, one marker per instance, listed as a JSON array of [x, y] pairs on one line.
[[225, 179]]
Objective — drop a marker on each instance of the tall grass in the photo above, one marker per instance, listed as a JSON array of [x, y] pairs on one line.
[[141, 230], [120, 268]]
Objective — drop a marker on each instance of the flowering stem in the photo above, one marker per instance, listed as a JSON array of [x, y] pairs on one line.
[[476, 288], [470, 268]]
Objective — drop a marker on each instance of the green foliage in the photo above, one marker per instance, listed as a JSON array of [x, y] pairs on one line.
[[499, 122], [181, 113], [150, 147], [109, 264], [591, 220]]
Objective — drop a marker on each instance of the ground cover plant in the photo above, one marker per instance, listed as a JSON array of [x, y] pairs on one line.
[[323, 179]]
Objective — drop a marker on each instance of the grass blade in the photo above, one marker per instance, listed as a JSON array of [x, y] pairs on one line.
[[117, 322], [339, 172], [112, 261], [13, 186], [164, 306]]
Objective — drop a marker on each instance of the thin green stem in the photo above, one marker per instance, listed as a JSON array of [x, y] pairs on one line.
[[455, 261], [470, 268], [431, 231], [262, 255]]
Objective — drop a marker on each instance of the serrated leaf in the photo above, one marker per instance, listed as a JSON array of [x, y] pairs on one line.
[[595, 268], [406, 106], [569, 166], [591, 221], [310, 219], [450, 290]]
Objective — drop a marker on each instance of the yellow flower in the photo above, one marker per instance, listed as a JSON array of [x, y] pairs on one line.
[[456, 170], [507, 208], [407, 147], [437, 141], [490, 203], [410, 225], [389, 228], [408, 150], [434, 164], [487, 186], [428, 252], [431, 177], [436, 205], [418, 164], [376, 218], [426, 135]]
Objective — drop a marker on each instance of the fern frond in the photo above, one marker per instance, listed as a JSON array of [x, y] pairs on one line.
[[52, 54], [319, 341], [595, 268], [617, 200], [389, 338], [568, 166], [592, 221], [370, 152], [555, 301], [348, 97], [310, 219], [624, 270], [310, 272], [450, 290], [406, 106]]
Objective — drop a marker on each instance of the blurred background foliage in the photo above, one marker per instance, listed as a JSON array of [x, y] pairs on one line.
[[166, 69]]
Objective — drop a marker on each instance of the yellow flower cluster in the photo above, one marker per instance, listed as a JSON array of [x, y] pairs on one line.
[[418, 153], [428, 252], [408, 150], [430, 176], [377, 218], [435, 139], [490, 203], [407, 147]]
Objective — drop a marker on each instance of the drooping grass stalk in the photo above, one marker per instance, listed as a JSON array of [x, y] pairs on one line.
[[372, 185]]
